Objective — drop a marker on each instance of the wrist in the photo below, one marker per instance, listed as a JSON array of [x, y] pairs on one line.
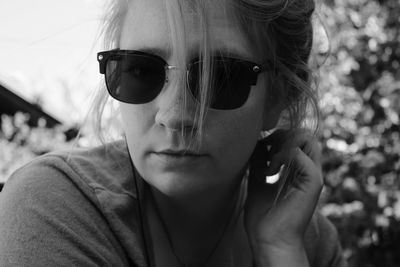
[[282, 256]]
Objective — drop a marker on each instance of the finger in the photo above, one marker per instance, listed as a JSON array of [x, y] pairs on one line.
[[310, 146], [301, 184], [299, 169], [304, 141], [307, 175], [312, 149], [277, 139], [281, 139], [298, 189], [302, 196], [281, 158]]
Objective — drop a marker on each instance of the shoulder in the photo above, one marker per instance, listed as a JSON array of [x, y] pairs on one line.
[[105, 168], [70, 206], [45, 185], [322, 243], [51, 216]]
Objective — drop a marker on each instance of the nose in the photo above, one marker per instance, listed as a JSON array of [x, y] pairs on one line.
[[175, 109]]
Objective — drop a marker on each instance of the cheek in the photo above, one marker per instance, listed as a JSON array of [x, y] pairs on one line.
[[249, 118], [137, 120], [239, 131], [243, 128]]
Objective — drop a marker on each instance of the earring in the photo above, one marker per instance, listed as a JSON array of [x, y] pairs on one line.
[[259, 162]]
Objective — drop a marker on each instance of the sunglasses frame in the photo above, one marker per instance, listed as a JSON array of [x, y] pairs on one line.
[[104, 56]]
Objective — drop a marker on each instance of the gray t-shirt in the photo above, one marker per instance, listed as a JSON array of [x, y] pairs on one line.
[[80, 208]]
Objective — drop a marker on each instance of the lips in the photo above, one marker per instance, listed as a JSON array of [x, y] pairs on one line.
[[178, 159], [179, 153]]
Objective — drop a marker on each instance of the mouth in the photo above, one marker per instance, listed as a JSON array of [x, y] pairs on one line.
[[178, 153], [174, 159]]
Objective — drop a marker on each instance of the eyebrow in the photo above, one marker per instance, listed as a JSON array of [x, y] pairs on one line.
[[164, 53], [233, 52]]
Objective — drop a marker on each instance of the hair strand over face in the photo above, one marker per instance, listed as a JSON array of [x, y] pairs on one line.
[[279, 30]]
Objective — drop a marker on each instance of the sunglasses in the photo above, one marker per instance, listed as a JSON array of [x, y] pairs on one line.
[[137, 77]]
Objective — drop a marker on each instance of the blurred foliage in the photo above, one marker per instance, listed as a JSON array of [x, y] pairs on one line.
[[19, 143], [360, 101]]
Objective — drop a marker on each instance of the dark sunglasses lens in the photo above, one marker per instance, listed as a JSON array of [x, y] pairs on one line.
[[231, 83], [134, 79]]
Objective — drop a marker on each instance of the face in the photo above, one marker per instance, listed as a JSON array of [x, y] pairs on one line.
[[153, 130]]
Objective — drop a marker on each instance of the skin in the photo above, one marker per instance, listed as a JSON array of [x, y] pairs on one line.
[[276, 231], [156, 126], [195, 193]]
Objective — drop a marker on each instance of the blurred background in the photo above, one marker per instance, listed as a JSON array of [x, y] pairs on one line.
[[48, 73]]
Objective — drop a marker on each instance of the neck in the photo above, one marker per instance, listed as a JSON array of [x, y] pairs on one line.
[[196, 211], [195, 225]]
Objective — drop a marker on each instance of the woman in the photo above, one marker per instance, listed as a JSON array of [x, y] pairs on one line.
[[197, 83]]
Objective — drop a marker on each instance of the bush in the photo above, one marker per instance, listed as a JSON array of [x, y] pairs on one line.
[[361, 141], [19, 143], [360, 102]]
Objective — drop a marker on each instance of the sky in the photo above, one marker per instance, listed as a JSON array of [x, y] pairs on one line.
[[48, 52]]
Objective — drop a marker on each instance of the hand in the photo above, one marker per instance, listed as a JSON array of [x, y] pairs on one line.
[[277, 224]]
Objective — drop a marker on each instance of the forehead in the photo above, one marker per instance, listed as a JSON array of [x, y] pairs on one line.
[[146, 25]]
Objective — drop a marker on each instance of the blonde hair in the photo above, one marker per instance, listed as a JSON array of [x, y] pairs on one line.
[[279, 30]]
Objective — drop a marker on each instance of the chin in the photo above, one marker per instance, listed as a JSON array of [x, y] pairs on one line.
[[178, 186]]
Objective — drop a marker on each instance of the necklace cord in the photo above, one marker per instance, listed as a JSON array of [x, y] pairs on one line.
[[217, 243], [142, 228]]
